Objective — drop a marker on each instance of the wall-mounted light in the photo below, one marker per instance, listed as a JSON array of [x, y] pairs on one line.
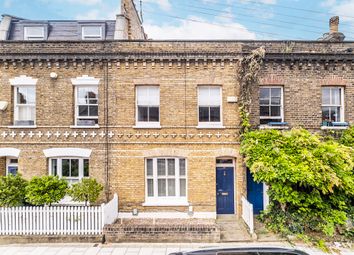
[[3, 105], [135, 212], [53, 75]]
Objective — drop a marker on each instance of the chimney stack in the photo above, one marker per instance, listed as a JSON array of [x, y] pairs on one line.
[[333, 24], [333, 35]]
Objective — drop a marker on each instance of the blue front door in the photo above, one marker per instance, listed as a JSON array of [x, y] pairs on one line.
[[225, 190], [254, 193]]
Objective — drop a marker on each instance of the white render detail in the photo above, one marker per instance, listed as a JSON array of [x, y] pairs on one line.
[[85, 80], [168, 215], [9, 152], [86, 134], [23, 80], [67, 152]]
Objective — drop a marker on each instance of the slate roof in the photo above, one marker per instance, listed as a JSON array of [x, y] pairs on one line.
[[59, 30]]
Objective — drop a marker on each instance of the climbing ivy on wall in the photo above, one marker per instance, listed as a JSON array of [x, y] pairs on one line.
[[310, 177], [248, 78]]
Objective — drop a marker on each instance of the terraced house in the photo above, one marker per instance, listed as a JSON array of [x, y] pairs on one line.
[[157, 122]]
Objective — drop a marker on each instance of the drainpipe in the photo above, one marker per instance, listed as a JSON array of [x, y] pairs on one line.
[[106, 123]]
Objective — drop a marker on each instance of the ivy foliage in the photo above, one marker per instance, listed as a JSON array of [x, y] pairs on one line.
[[46, 190], [248, 78], [87, 190], [311, 179], [12, 190]]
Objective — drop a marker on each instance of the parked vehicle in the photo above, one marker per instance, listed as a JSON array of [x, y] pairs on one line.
[[245, 251]]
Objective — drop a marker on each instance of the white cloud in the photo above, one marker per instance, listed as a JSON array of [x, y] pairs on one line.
[[199, 30], [98, 14], [163, 4], [344, 9], [7, 3], [85, 2], [327, 3], [260, 1], [74, 2]]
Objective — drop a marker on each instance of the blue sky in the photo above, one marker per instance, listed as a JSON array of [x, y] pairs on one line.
[[205, 19]]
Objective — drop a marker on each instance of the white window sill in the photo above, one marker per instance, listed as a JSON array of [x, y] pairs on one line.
[[147, 126], [203, 126], [334, 128], [273, 127], [22, 127], [86, 127], [166, 202]]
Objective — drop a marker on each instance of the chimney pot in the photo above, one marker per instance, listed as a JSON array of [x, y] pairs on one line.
[[334, 24]]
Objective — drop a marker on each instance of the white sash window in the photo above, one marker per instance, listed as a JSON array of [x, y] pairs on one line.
[[209, 104], [86, 105], [25, 105], [34, 33], [70, 169], [148, 106], [166, 181], [332, 105]]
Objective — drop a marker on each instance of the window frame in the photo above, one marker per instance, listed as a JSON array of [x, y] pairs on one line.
[[210, 124], [17, 105], [77, 106], [9, 164], [281, 117], [146, 124], [90, 36], [28, 37], [70, 180], [342, 102], [166, 200]]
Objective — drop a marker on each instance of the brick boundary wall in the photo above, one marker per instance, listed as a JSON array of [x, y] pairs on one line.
[[176, 231]]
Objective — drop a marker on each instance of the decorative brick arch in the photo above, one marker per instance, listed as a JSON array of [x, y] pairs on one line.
[[165, 152], [271, 80], [226, 152], [334, 81], [85, 80]]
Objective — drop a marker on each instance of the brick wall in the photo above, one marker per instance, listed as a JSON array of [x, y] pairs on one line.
[[139, 63], [2, 166], [163, 230]]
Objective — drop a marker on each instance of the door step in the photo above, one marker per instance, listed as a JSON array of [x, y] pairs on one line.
[[232, 229]]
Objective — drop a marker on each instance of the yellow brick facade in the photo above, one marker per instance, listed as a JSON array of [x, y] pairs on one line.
[[119, 149], [128, 147]]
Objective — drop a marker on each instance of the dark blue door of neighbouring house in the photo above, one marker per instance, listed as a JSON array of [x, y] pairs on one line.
[[254, 193], [225, 190]]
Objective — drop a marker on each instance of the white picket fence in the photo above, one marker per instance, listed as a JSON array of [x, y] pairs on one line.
[[57, 220], [247, 214]]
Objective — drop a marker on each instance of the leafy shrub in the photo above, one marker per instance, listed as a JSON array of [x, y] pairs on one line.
[[46, 190], [87, 190], [348, 137], [311, 180], [12, 190]]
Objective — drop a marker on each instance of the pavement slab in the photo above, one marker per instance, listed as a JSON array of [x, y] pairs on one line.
[[138, 249]]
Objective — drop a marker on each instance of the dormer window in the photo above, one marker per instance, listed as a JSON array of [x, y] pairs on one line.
[[34, 33], [92, 33]]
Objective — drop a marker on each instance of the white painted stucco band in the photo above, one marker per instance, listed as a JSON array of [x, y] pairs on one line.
[[67, 152], [9, 152]]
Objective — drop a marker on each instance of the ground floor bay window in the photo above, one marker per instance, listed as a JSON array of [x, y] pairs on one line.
[[166, 182], [70, 169]]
